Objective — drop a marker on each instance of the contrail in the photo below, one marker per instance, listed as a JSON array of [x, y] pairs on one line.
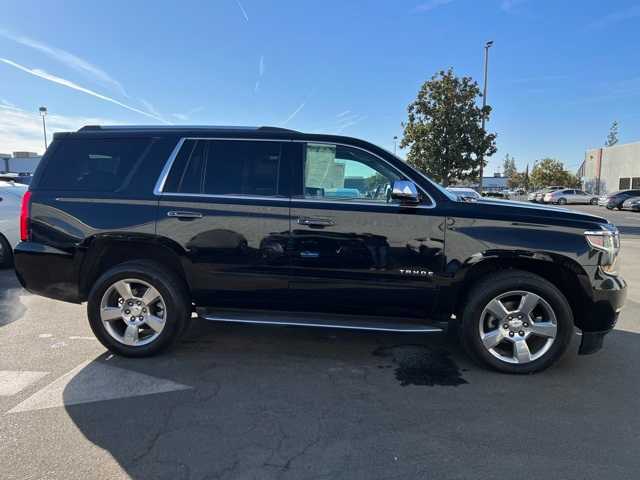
[[244, 12], [74, 86], [295, 112], [66, 58]]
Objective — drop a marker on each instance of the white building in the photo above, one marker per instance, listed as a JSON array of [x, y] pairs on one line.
[[608, 169], [19, 162]]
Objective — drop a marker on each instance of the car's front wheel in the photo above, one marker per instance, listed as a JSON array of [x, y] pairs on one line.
[[594, 201], [138, 309], [562, 201], [516, 322]]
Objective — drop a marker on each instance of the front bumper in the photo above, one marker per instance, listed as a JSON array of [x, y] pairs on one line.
[[599, 314]]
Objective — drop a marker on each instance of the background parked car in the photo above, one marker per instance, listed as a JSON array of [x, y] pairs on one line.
[[22, 178], [541, 193], [632, 203], [568, 195], [10, 197], [616, 199], [465, 194], [493, 194]]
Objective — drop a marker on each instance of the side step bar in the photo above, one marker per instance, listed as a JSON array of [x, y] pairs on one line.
[[306, 319]]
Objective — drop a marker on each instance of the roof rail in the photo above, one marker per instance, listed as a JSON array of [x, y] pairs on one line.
[[88, 128]]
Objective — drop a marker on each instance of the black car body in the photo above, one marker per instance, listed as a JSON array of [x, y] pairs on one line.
[[251, 221]]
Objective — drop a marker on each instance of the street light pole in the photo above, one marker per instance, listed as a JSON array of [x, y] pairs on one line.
[[395, 140], [487, 46], [43, 113]]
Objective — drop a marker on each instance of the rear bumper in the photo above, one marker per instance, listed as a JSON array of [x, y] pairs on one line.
[[47, 271]]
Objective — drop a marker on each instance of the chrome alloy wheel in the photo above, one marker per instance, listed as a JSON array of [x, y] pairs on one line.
[[133, 312], [518, 327]]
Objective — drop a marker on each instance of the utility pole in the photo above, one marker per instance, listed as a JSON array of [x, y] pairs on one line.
[[487, 46], [43, 113], [395, 140]]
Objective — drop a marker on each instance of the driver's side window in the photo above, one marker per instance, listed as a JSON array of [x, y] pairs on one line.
[[340, 173]]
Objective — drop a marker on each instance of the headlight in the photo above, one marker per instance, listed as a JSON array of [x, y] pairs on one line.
[[606, 241]]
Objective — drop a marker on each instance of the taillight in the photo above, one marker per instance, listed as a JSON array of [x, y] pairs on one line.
[[25, 210]]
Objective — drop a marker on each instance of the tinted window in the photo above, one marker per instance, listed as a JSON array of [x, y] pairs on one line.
[[101, 164], [242, 168], [342, 173], [226, 167], [624, 183]]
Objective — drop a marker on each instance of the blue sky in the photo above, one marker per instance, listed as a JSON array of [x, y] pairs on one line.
[[560, 71]]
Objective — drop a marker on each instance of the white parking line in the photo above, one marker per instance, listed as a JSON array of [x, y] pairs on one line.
[[95, 381], [12, 382]]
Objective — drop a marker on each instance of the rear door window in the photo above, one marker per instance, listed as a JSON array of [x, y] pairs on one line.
[[97, 164], [228, 167]]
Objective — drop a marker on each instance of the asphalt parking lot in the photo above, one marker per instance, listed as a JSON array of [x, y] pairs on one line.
[[250, 402]]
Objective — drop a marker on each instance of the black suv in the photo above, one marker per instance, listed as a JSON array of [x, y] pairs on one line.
[[267, 225]]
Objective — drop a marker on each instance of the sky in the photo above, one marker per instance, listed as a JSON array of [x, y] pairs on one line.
[[560, 71]]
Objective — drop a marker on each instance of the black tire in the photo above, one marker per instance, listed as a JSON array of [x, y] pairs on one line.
[[176, 296], [594, 201], [6, 253], [489, 288], [562, 201]]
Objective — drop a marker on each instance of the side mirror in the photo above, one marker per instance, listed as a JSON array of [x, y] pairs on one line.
[[405, 191]]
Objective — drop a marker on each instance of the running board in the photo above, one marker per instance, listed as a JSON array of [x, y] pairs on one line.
[[306, 319]]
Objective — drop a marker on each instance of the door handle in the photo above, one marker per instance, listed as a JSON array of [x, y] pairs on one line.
[[184, 215], [316, 221]]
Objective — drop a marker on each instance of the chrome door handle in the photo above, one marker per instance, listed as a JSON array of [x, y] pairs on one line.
[[182, 214], [316, 221]]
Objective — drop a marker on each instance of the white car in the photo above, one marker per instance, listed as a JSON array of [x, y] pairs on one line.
[[465, 194], [10, 198]]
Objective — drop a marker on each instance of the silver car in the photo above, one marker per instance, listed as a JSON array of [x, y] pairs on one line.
[[569, 195]]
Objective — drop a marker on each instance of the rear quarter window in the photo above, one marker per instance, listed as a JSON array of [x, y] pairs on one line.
[[94, 164]]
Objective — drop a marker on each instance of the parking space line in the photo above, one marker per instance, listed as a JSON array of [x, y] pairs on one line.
[[13, 382]]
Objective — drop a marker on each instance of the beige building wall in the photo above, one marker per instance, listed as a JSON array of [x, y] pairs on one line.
[[611, 164]]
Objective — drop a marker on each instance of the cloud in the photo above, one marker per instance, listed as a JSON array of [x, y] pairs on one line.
[[244, 12], [68, 59], [74, 86], [22, 130], [432, 5], [294, 113], [616, 17], [342, 114]]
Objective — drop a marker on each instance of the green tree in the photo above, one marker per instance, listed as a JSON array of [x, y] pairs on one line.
[[549, 171], [612, 138], [509, 166], [443, 129]]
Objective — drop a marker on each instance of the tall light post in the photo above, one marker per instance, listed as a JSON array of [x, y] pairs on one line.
[[395, 140], [487, 46], [43, 113]]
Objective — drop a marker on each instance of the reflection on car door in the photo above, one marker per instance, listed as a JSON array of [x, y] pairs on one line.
[[225, 203], [353, 250]]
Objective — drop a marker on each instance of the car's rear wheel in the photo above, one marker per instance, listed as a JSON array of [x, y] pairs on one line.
[[6, 254], [562, 201], [516, 322], [138, 309]]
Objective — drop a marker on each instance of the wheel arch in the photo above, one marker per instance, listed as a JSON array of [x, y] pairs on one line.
[[564, 273], [106, 251]]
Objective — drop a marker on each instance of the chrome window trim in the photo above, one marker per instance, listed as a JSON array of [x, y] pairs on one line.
[[162, 179]]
